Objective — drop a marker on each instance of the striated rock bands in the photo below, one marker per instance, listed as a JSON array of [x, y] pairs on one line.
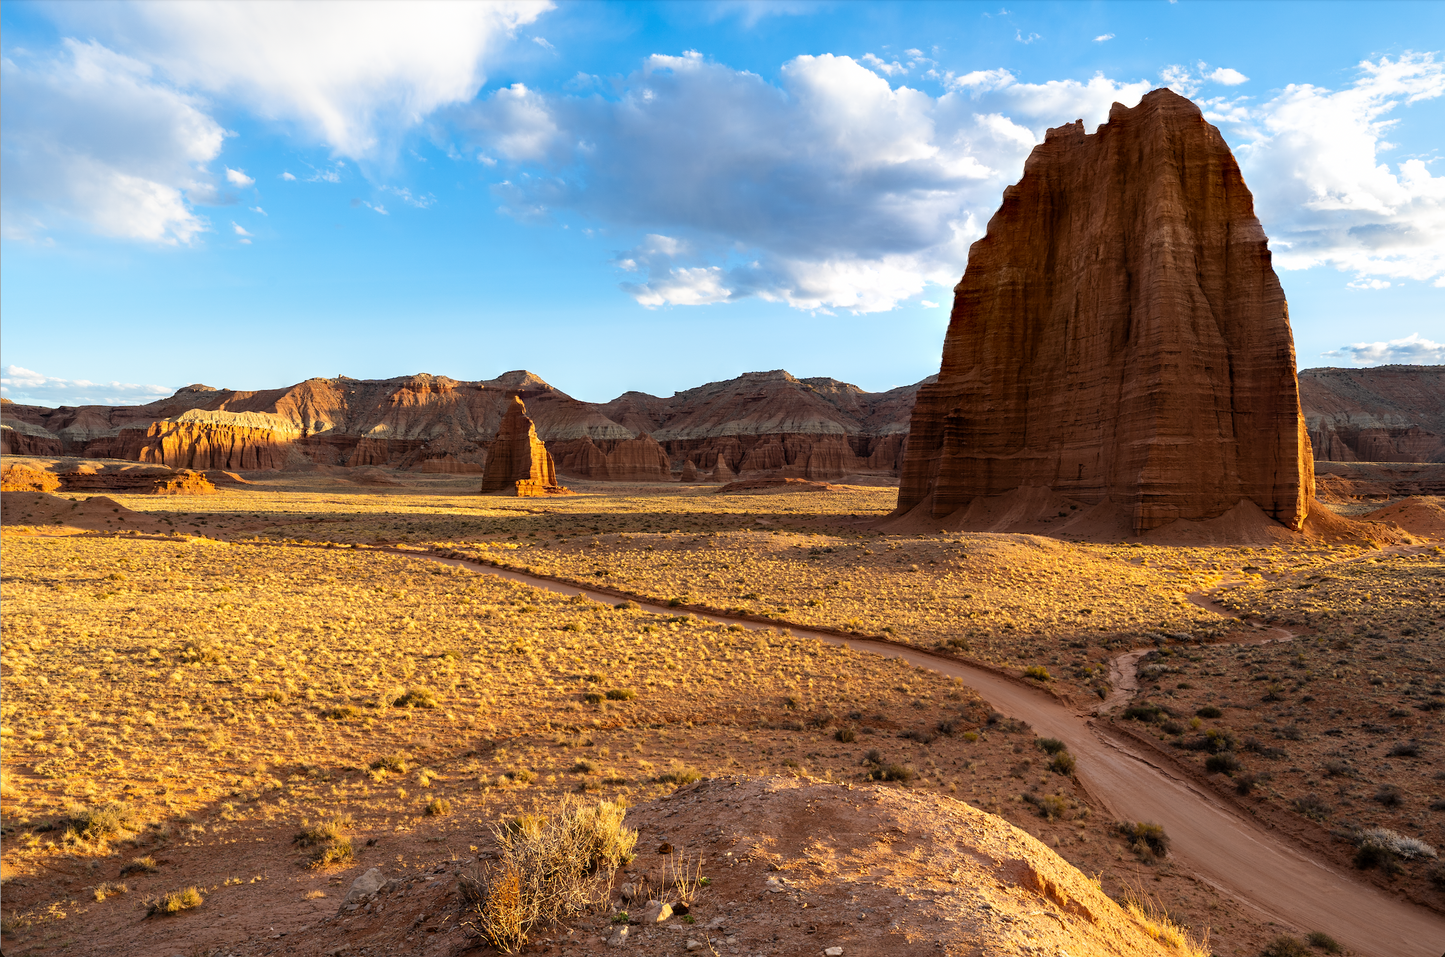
[[1386, 414], [518, 462], [1119, 334]]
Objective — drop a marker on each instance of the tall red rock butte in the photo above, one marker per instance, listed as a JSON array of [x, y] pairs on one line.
[[1119, 336], [519, 463]]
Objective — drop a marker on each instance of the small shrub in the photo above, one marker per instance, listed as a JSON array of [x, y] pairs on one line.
[[621, 694], [1147, 838], [1063, 763], [1394, 843], [892, 772], [1143, 711], [1052, 807], [331, 846], [1209, 711], [336, 853], [438, 807], [1225, 762], [395, 763], [680, 774], [109, 889], [343, 713], [416, 698], [547, 869], [140, 865], [1405, 749], [1389, 796], [1038, 673], [846, 735], [1051, 745], [1322, 941], [175, 902], [101, 822], [1312, 807], [1285, 946]]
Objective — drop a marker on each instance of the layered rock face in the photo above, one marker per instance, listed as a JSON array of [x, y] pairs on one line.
[[1119, 334], [770, 423], [767, 423], [1385, 414], [518, 462]]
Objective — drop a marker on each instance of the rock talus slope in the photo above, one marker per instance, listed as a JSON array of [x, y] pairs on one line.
[[1119, 334]]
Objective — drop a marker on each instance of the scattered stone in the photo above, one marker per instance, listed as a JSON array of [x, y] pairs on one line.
[[833, 952], [656, 912], [619, 937], [364, 886], [627, 891], [694, 944]]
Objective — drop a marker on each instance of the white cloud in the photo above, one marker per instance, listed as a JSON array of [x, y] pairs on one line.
[[352, 76], [377, 208], [1019, 36], [928, 305], [1369, 284], [258, 209], [91, 136], [405, 195], [33, 388], [1227, 77], [831, 189], [240, 230], [1322, 190], [289, 177], [542, 42], [1411, 350], [238, 177], [1103, 38], [886, 68]]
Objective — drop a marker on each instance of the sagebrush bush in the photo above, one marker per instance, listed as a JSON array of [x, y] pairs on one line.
[[1147, 838], [679, 774], [175, 902], [547, 869]]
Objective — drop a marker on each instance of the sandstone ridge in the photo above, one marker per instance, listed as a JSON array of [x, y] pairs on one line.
[[1119, 336], [759, 424]]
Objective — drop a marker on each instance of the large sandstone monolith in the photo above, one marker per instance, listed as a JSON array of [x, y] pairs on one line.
[[518, 462], [1119, 334]]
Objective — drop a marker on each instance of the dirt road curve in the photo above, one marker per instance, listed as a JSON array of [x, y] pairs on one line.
[[1231, 853]]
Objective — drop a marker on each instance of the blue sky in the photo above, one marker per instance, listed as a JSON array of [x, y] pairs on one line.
[[648, 196]]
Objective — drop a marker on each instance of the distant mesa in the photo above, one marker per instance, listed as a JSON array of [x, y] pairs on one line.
[[519, 463], [1392, 413], [1119, 339], [762, 424]]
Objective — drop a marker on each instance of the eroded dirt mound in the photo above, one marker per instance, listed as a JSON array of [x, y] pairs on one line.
[[96, 513], [773, 485], [794, 867], [1422, 516]]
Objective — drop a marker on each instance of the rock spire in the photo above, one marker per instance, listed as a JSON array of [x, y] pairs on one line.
[[518, 463], [1119, 334]]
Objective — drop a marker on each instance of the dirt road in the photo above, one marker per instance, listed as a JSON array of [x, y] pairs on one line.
[[1240, 859]]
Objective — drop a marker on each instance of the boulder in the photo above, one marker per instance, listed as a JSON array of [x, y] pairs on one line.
[[518, 463], [1119, 334]]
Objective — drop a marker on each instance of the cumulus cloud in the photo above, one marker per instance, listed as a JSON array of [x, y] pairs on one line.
[[33, 388], [240, 230], [352, 76], [289, 177], [1323, 190], [91, 136], [1411, 350], [831, 189], [237, 177], [1103, 38], [1227, 77]]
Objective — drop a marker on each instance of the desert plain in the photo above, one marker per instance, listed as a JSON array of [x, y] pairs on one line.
[[263, 692]]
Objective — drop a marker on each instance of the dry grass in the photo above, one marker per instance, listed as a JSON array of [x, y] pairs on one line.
[[247, 685]]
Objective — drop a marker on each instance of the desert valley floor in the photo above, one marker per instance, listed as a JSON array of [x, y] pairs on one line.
[[265, 692]]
